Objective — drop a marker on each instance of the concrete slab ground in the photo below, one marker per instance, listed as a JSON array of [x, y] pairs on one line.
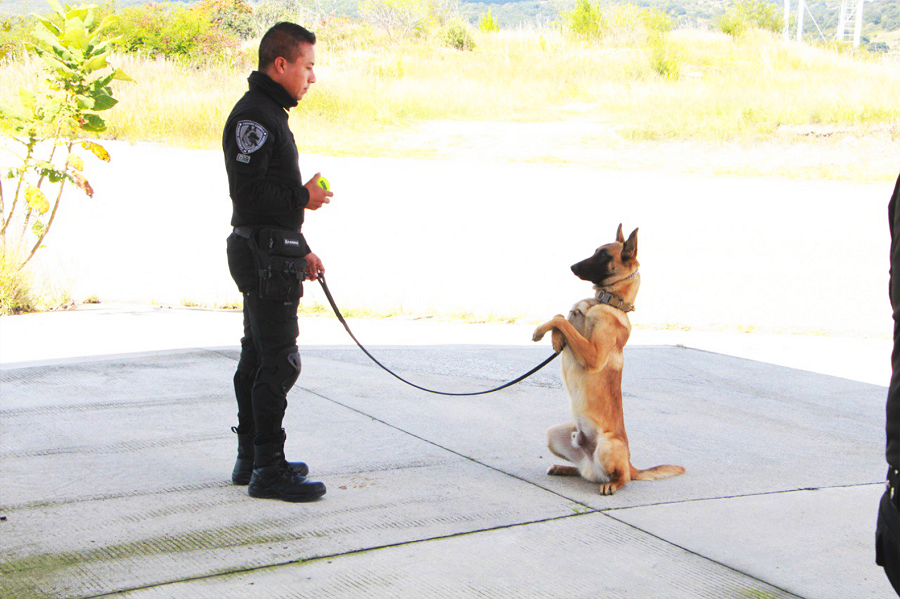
[[114, 469]]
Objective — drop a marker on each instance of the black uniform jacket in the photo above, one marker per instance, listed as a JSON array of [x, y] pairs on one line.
[[262, 160]]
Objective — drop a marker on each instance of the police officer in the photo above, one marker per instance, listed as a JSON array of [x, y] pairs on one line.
[[268, 194], [887, 535]]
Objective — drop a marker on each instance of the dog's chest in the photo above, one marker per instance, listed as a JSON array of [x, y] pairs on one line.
[[577, 316]]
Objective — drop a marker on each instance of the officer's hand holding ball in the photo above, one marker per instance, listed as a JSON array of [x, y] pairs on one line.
[[319, 192]]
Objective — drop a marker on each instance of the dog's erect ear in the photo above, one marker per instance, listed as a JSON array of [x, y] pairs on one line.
[[629, 251], [619, 237]]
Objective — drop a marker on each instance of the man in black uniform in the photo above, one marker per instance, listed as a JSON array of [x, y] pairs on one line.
[[269, 199], [887, 535]]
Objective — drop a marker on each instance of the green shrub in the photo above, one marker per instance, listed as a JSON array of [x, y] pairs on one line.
[[585, 20], [488, 22], [14, 37], [15, 285], [457, 34], [656, 21], [230, 16], [747, 14], [173, 32], [664, 58]]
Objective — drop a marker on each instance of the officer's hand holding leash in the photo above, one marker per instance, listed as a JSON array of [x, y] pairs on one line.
[[314, 267], [317, 195]]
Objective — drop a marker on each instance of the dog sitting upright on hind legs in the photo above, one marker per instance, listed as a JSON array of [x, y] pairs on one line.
[[592, 340]]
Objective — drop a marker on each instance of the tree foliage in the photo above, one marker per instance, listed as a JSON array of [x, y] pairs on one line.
[[173, 31], [487, 22], [746, 14], [73, 46], [399, 18]]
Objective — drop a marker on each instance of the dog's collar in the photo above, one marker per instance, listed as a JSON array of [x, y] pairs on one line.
[[631, 276], [611, 299]]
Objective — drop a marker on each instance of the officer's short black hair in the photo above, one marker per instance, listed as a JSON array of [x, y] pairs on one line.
[[284, 40]]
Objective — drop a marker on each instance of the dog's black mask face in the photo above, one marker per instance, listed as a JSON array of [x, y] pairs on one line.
[[610, 260], [597, 268]]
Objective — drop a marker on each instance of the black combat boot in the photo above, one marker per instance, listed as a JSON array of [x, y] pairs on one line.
[[273, 478], [243, 466]]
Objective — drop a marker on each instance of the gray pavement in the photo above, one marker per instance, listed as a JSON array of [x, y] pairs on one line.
[[116, 457]]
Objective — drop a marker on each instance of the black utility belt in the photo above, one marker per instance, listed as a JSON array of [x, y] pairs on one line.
[[280, 258]]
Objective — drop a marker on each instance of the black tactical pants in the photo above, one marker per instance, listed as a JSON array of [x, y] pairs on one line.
[[270, 362], [887, 533]]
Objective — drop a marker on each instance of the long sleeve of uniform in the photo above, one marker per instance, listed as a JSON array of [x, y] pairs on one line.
[[255, 186], [262, 160]]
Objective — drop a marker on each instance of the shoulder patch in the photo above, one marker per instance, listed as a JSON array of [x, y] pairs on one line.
[[245, 158], [250, 136]]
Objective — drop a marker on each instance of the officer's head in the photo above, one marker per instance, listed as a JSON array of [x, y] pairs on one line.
[[287, 54]]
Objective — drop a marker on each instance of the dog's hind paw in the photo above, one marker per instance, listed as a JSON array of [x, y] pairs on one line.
[[557, 470]]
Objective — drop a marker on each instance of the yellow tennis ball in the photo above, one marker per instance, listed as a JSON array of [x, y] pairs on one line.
[[323, 183]]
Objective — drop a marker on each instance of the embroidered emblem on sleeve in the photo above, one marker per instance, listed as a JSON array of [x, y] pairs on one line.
[[250, 136]]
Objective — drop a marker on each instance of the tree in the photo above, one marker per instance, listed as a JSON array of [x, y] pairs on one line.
[[71, 44], [399, 18]]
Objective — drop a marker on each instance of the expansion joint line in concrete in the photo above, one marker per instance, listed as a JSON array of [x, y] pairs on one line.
[[741, 496], [704, 557], [447, 449], [590, 509]]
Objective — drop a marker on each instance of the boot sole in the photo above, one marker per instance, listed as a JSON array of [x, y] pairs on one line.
[[243, 479], [271, 494]]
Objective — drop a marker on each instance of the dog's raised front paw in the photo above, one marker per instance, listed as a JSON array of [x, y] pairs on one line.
[[559, 340]]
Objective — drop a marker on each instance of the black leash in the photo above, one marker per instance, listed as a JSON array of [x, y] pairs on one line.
[[340, 317]]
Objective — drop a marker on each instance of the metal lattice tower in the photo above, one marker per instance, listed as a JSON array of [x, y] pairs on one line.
[[850, 21]]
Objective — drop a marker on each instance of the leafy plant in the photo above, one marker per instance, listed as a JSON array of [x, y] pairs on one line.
[[71, 44]]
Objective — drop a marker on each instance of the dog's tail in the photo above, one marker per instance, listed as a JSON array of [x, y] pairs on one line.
[[656, 473]]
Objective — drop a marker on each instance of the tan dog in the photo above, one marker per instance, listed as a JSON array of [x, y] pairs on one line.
[[591, 342]]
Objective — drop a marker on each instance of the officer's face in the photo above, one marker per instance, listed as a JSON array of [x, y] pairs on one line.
[[297, 76]]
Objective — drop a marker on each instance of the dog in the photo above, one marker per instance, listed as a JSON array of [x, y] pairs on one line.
[[592, 340]]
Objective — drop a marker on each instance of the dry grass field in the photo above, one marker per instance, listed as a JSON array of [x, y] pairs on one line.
[[751, 105]]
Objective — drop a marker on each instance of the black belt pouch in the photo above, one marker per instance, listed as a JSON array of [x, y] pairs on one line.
[[281, 265], [887, 535]]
